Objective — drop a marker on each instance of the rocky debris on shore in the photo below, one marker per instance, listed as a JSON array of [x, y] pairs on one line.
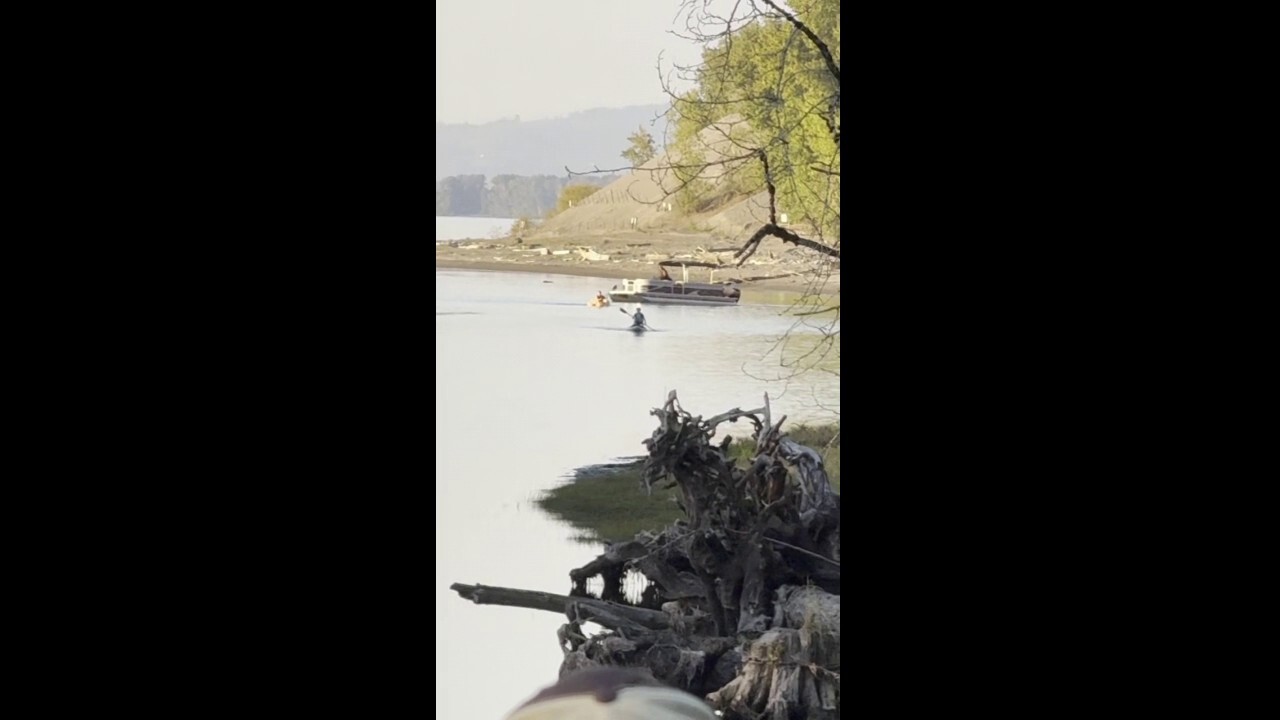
[[472, 245], [627, 255], [784, 258]]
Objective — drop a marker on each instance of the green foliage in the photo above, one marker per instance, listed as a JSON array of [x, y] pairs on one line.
[[825, 439], [773, 77], [641, 150], [608, 503], [572, 195], [693, 196]]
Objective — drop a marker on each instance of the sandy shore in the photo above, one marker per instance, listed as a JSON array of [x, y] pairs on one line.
[[777, 268]]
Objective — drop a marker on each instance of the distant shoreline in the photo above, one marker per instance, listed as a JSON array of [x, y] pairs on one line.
[[476, 217]]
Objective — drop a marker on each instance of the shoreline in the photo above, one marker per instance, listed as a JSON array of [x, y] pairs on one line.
[[783, 283], [775, 267], [774, 291]]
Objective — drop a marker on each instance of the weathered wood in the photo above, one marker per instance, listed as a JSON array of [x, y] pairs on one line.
[[675, 584], [781, 679], [601, 612], [797, 605], [681, 660], [750, 579], [815, 487], [617, 616], [649, 554], [615, 555], [754, 589], [531, 599]]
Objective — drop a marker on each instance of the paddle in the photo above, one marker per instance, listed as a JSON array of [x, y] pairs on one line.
[[644, 324]]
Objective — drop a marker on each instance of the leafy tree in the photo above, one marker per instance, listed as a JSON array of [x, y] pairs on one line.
[[574, 194], [768, 89], [764, 107], [761, 116], [641, 149]]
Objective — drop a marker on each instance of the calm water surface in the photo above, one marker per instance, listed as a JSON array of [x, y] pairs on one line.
[[463, 228], [531, 384]]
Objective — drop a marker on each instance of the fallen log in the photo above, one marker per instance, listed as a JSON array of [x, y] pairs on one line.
[[648, 554], [602, 612], [531, 599], [748, 582]]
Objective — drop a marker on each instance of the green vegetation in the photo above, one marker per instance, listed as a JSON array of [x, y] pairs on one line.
[[608, 502], [572, 195], [641, 149], [774, 78]]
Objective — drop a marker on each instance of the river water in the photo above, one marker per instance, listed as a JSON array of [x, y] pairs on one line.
[[471, 228], [531, 384]]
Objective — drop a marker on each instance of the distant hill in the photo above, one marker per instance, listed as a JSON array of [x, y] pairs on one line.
[[580, 141]]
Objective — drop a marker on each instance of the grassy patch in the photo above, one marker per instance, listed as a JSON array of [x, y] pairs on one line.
[[608, 502]]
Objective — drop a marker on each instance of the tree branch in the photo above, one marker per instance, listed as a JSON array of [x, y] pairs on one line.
[[822, 48], [773, 229], [800, 549]]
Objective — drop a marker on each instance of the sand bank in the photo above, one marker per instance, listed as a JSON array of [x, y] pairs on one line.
[[778, 267]]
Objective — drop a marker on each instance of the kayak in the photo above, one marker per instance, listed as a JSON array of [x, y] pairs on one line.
[[598, 303], [637, 329]]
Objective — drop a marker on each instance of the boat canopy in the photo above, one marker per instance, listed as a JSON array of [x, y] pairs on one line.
[[684, 265]]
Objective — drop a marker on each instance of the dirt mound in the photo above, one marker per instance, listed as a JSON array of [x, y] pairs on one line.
[[643, 201]]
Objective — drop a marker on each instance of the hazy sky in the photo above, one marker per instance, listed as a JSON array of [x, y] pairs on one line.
[[546, 58]]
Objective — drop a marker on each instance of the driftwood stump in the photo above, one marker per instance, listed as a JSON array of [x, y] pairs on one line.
[[748, 583]]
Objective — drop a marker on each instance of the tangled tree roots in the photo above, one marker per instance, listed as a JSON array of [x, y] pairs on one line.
[[749, 582]]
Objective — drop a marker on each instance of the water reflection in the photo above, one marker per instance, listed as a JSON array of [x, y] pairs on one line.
[[634, 586], [531, 385]]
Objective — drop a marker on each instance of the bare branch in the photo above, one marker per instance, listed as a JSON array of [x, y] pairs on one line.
[[800, 549], [748, 249], [773, 191], [823, 311]]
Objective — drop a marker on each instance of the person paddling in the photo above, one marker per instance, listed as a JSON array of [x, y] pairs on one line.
[[638, 321]]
